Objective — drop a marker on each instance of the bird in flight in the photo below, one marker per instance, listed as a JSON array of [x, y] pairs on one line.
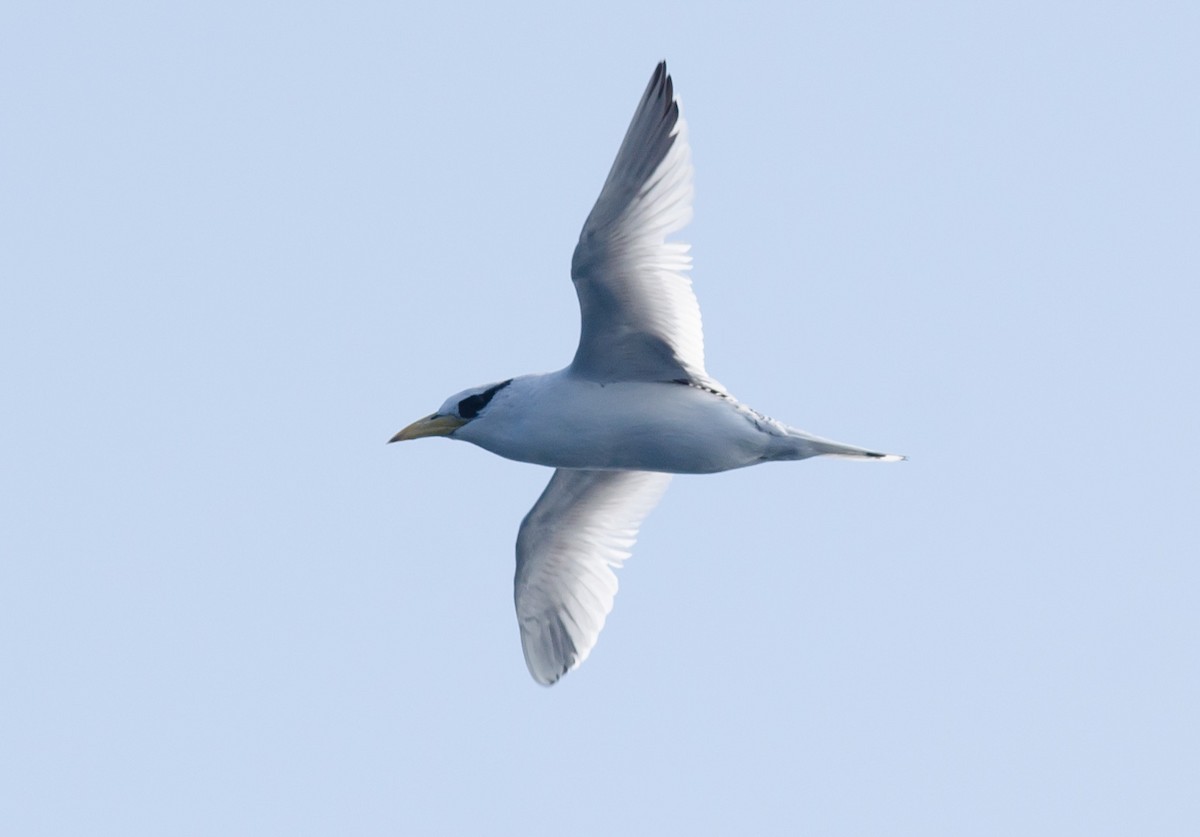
[[634, 406]]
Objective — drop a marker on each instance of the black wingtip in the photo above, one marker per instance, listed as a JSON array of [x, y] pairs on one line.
[[657, 81], [662, 90]]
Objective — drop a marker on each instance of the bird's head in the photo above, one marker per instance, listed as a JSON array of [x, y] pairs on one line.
[[459, 409]]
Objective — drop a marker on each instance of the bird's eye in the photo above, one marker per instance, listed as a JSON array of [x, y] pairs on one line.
[[470, 406]]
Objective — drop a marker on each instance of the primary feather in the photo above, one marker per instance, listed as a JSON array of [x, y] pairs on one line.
[[639, 318], [580, 530]]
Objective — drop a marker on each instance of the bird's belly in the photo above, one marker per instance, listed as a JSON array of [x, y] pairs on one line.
[[637, 426]]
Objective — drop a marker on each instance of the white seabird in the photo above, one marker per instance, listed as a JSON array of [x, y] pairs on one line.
[[634, 406]]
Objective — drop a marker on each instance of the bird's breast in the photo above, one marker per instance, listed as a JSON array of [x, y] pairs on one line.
[[629, 426]]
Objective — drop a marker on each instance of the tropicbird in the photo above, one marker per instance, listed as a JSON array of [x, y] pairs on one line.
[[635, 405]]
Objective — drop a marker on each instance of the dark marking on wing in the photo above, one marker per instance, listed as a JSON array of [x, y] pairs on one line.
[[701, 387]]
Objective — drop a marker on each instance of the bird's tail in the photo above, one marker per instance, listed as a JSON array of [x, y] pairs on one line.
[[801, 445]]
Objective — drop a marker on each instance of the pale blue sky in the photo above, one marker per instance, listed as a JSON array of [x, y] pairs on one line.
[[243, 244]]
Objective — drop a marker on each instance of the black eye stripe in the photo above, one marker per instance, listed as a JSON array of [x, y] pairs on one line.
[[470, 406]]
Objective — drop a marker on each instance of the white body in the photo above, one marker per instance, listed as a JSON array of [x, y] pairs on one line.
[[564, 421]]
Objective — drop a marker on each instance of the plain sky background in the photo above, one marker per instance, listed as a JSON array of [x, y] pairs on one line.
[[244, 243]]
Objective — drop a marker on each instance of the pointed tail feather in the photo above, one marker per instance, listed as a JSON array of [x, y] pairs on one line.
[[808, 445]]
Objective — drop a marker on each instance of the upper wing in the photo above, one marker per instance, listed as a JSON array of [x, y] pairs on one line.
[[580, 530], [641, 321]]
